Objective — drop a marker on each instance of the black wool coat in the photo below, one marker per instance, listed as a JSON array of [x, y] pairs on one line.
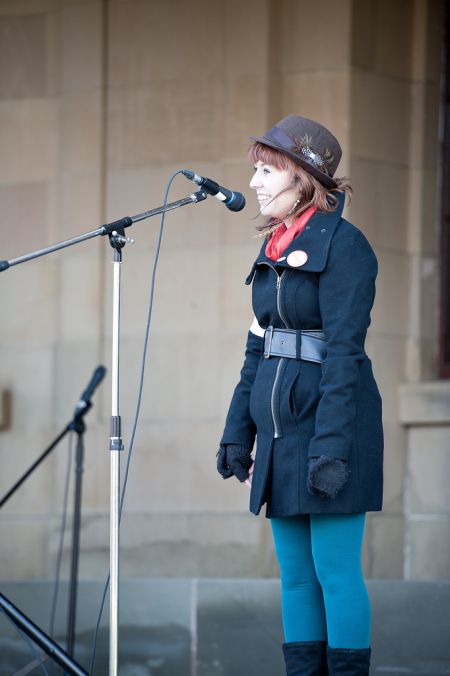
[[333, 408]]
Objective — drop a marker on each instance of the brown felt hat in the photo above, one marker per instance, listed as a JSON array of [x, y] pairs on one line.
[[308, 143]]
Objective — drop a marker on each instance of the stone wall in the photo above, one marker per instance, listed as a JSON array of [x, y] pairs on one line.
[[100, 102]]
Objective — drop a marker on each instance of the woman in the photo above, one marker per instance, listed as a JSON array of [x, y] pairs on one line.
[[307, 393]]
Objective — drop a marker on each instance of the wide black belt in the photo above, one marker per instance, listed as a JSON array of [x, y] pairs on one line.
[[309, 345]]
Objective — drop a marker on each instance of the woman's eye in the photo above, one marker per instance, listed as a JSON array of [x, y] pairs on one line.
[[266, 171]]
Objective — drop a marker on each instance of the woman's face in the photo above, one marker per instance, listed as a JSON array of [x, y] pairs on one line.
[[269, 182]]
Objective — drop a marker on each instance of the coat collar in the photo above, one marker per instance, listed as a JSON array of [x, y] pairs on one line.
[[314, 241]]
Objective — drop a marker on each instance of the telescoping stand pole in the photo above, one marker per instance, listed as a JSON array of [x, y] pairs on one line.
[[115, 232], [117, 240]]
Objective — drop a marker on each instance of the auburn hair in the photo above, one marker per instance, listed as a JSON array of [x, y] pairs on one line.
[[311, 192]]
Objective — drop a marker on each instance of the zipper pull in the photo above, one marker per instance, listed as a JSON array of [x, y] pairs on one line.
[[278, 281]]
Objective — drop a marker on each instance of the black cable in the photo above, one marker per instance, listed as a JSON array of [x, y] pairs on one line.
[[138, 406], [27, 639], [61, 537]]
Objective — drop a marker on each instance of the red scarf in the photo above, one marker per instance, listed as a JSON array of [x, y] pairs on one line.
[[283, 236]]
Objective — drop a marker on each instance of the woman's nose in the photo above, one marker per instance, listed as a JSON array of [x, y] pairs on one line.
[[255, 181]]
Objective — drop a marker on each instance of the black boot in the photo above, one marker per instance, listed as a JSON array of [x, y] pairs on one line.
[[308, 658], [348, 661]]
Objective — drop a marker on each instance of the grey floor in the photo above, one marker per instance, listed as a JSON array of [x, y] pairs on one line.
[[213, 627]]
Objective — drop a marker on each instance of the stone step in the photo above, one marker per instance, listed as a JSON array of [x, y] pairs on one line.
[[212, 627]]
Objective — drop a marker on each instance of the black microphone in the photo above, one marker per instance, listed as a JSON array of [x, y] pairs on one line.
[[96, 379], [234, 201]]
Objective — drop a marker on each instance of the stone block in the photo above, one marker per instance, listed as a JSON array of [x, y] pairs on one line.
[[146, 128], [245, 108], [364, 208], [82, 55], [428, 469], [79, 209], [424, 293], [387, 353], [29, 139], [429, 360], [310, 43], [379, 204], [385, 546], [427, 125], [188, 291], [394, 466], [244, 55], [138, 61], [28, 371], [80, 304], [393, 38], [425, 403], [428, 551], [422, 239], [222, 624], [434, 38], [430, 297], [363, 35], [25, 557], [429, 244], [174, 468], [391, 311], [408, 637], [24, 207], [29, 318], [18, 7], [22, 56], [81, 131], [381, 110], [173, 544]]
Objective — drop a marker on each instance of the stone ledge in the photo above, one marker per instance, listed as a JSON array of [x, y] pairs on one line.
[[426, 403]]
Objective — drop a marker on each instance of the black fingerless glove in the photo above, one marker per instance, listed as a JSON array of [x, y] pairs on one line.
[[234, 459], [326, 476]]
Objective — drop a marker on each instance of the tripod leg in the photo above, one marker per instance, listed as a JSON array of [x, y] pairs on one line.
[[40, 638]]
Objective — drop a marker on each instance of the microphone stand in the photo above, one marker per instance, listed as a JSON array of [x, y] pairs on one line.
[[78, 426], [115, 232]]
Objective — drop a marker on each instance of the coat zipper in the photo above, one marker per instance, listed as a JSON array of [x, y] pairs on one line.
[[278, 286], [275, 386], [276, 427]]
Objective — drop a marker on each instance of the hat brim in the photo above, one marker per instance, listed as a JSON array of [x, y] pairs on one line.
[[323, 178]]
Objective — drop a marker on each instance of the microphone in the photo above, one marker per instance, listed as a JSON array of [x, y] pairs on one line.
[[234, 201], [96, 379]]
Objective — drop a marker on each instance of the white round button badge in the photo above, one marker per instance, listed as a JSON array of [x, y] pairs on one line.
[[297, 258]]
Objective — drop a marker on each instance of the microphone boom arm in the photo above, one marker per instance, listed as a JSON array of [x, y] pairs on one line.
[[106, 229]]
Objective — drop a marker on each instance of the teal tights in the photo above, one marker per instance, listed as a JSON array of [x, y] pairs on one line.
[[323, 594]]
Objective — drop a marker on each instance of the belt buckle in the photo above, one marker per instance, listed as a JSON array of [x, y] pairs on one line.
[[267, 354]]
